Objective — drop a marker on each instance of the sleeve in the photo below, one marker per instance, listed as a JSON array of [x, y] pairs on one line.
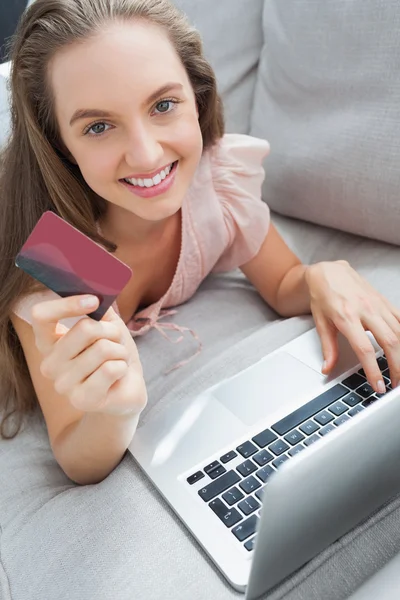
[[238, 174]]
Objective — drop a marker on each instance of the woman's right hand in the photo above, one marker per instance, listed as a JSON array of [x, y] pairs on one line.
[[95, 364]]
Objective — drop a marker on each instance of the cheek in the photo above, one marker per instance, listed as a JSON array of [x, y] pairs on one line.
[[188, 138], [96, 164]]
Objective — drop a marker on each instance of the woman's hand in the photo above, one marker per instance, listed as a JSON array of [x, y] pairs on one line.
[[95, 364], [341, 300]]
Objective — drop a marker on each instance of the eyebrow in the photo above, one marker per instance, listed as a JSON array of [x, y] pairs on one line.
[[86, 113]]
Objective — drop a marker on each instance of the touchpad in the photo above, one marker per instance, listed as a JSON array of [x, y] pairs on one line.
[[272, 388]]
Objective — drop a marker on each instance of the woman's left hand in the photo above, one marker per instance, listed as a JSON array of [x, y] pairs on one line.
[[341, 300]]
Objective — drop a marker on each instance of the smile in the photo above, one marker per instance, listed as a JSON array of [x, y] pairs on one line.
[[151, 181], [148, 187]]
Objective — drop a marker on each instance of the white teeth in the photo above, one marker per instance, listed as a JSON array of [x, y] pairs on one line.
[[150, 182]]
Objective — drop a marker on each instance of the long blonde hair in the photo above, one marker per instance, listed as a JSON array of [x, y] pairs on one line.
[[35, 173]]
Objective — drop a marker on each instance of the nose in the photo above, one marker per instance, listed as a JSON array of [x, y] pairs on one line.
[[144, 151]]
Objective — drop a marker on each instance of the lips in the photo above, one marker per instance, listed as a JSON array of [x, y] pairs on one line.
[[147, 187]]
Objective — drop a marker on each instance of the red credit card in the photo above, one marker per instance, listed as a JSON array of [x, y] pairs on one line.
[[69, 263]]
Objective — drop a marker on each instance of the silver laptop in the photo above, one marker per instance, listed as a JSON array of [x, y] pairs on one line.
[[269, 467]]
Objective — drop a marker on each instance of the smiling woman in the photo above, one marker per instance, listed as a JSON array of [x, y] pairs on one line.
[[140, 129]]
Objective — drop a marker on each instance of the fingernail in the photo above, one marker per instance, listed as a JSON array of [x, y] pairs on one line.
[[88, 301], [381, 386], [325, 364]]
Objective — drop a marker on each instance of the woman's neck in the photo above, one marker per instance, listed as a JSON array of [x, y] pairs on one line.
[[126, 229]]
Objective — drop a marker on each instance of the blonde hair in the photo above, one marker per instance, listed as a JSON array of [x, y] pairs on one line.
[[35, 173]]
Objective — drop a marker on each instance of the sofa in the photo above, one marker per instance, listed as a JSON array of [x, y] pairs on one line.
[[320, 81]]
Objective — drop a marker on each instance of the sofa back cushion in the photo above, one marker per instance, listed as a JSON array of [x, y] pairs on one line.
[[233, 38], [328, 101]]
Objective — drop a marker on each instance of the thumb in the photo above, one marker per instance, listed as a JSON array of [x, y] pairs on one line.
[[329, 343], [110, 315]]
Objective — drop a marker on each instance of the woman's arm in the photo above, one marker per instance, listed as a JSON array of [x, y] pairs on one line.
[[279, 276], [89, 438], [339, 299]]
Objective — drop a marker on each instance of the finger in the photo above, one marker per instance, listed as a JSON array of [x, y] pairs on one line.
[[46, 315], [87, 363], [92, 394], [389, 340], [394, 310], [82, 335], [110, 315], [329, 344], [363, 348]]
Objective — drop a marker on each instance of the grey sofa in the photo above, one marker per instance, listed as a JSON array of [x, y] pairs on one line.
[[320, 81]]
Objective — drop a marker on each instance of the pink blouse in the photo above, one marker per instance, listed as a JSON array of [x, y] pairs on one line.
[[224, 223]]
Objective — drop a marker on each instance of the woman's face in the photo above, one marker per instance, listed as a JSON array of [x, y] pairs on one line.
[[127, 114]]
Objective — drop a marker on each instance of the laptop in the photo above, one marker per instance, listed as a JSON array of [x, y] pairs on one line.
[[269, 467]]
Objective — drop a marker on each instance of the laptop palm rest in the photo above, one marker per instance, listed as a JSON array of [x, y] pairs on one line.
[[279, 383]]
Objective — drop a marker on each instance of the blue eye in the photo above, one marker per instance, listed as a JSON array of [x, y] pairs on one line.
[[165, 106], [96, 129]]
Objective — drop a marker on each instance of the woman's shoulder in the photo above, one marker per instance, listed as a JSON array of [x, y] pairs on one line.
[[226, 204]]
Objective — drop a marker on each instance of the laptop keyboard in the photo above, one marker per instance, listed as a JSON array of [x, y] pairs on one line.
[[235, 493]]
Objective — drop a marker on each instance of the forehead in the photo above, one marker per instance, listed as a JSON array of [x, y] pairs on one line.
[[123, 63]]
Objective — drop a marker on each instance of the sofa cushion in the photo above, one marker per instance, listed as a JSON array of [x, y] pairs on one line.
[[119, 539], [4, 109], [328, 101], [233, 38]]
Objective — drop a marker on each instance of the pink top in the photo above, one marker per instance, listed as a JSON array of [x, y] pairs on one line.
[[224, 223]]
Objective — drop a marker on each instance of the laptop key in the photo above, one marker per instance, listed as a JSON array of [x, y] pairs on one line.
[[246, 528], [278, 462], [365, 390], [338, 408], [220, 470], [232, 496], [219, 485], [340, 420], [229, 516], [362, 372], [211, 466], [247, 449], [382, 362], [249, 545], [249, 485], [246, 468], [294, 437], [327, 429], [248, 505], [278, 447], [352, 399], [309, 409], [264, 438], [296, 449], [354, 381], [195, 477], [386, 373], [228, 456], [265, 473], [309, 427], [263, 457], [369, 401], [356, 409], [324, 417], [311, 440]]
